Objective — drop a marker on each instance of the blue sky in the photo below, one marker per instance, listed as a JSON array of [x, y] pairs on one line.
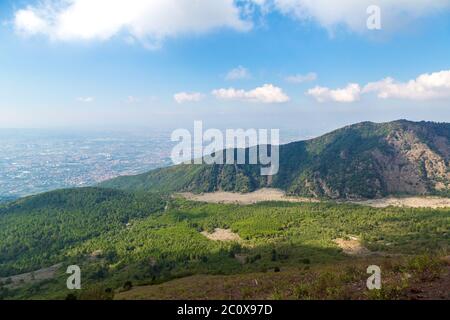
[[271, 64]]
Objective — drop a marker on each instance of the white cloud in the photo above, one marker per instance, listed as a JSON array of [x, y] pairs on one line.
[[424, 87], [428, 86], [183, 97], [29, 22], [268, 93], [351, 93], [353, 13], [85, 99], [302, 78], [238, 74], [149, 21]]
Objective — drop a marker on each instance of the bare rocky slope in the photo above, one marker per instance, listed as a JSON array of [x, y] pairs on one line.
[[365, 160]]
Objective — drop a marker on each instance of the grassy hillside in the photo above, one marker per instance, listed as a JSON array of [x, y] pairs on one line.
[[366, 160], [408, 278]]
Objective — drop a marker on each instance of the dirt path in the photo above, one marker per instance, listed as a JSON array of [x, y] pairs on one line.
[[411, 202], [261, 195], [268, 194]]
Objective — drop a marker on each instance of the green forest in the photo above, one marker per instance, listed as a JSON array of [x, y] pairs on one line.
[[122, 239]]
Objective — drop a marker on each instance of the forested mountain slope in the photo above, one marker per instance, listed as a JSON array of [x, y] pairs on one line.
[[366, 160], [37, 231]]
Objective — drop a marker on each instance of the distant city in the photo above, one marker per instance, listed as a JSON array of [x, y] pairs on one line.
[[35, 161]]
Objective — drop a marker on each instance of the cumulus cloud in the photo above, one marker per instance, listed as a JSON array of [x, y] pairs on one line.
[[29, 22], [351, 93], [85, 99], [353, 13], [424, 87], [428, 86], [183, 97], [301, 78], [238, 74], [268, 93], [149, 21]]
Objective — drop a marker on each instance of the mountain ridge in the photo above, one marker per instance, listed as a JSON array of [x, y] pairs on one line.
[[364, 160]]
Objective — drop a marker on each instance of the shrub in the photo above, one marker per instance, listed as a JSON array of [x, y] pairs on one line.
[[127, 286], [425, 267]]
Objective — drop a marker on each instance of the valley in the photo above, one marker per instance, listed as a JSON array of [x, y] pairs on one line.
[[151, 240]]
